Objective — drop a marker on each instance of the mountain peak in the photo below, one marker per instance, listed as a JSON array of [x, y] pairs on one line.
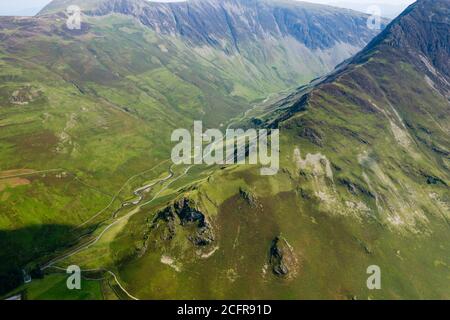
[[92, 5], [423, 29], [419, 39]]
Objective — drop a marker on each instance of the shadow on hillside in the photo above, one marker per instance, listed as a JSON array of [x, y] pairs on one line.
[[19, 248]]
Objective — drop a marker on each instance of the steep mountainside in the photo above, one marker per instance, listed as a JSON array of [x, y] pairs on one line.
[[229, 24], [86, 115], [262, 39], [210, 22], [364, 180]]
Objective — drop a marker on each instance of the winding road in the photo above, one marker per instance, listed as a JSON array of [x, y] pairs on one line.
[[119, 192], [108, 227], [127, 216]]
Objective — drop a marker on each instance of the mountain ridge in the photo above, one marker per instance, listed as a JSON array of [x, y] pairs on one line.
[[431, 59], [208, 22]]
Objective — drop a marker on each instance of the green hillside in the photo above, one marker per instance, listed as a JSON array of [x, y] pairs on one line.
[[364, 181]]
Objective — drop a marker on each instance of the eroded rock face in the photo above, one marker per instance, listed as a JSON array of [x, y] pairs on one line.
[[248, 196], [188, 214], [282, 259], [184, 214], [210, 22], [165, 222]]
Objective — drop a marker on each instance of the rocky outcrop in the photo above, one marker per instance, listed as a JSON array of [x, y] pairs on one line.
[[184, 214], [248, 196], [282, 259], [276, 259]]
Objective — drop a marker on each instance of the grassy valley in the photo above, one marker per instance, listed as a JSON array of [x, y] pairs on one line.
[[85, 124]]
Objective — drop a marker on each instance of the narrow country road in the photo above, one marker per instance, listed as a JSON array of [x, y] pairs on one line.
[[112, 224]]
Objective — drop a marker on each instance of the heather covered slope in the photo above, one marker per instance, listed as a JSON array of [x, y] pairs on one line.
[[86, 115]]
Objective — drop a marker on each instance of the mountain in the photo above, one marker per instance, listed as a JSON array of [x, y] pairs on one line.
[[231, 24], [364, 181], [86, 115], [261, 39]]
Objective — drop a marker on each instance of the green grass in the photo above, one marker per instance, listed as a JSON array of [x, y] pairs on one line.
[[54, 287]]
